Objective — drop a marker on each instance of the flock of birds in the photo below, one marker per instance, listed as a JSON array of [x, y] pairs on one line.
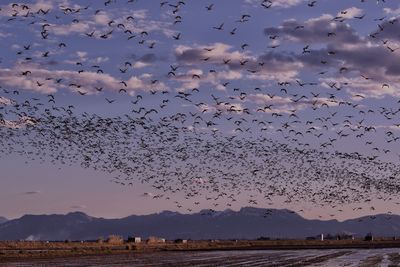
[[201, 144]]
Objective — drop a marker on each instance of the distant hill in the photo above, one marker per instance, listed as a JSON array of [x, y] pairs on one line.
[[248, 223], [3, 219]]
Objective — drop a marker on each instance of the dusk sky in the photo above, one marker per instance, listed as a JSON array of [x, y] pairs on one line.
[[295, 105]]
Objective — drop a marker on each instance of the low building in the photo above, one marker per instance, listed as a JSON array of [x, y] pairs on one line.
[[136, 239], [369, 237], [155, 240], [115, 240], [180, 241]]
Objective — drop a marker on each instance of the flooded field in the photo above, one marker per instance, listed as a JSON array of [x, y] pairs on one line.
[[331, 258]]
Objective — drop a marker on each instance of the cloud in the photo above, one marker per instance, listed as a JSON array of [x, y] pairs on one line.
[[20, 123], [224, 107], [286, 3], [68, 29], [354, 56], [102, 18], [277, 3], [140, 65], [350, 13], [78, 207], [368, 59], [391, 29], [369, 68], [217, 53], [275, 66], [145, 60], [4, 35], [100, 22], [82, 55], [141, 22], [391, 11], [316, 30], [45, 81], [6, 101], [7, 10], [368, 88], [140, 14], [193, 78], [279, 104], [31, 193]]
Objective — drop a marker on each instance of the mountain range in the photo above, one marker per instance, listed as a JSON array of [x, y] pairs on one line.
[[3, 219], [247, 223]]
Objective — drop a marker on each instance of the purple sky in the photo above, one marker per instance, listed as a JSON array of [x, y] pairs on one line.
[[342, 56]]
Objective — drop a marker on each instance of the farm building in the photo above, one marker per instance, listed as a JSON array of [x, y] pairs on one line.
[[155, 240], [115, 240]]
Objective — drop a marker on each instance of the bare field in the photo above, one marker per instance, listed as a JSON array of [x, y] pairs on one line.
[[203, 253], [331, 258]]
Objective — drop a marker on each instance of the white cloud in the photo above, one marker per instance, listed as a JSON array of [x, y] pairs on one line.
[[141, 22], [82, 56], [368, 88], [6, 102], [190, 80], [87, 81], [277, 3], [4, 35], [7, 10], [278, 104], [218, 53], [393, 12], [140, 65], [102, 18], [241, 64], [286, 3], [350, 13], [67, 29], [99, 60], [140, 14]]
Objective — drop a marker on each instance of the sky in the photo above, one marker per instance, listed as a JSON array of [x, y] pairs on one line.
[[319, 76]]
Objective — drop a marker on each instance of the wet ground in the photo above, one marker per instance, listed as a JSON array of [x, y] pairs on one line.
[[330, 258]]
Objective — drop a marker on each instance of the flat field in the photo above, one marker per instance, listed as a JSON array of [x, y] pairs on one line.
[[325, 257], [203, 253]]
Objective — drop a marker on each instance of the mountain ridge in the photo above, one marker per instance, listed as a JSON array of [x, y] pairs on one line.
[[247, 223], [3, 219]]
